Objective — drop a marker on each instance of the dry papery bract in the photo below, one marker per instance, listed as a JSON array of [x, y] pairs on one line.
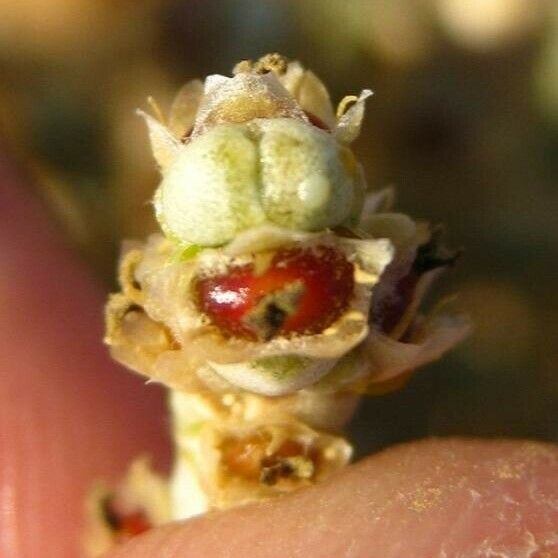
[[293, 93]]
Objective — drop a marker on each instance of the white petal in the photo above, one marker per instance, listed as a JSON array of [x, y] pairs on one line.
[[313, 97], [349, 124], [184, 108], [164, 145], [388, 358]]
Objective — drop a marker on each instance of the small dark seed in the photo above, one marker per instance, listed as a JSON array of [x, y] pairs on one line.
[[275, 470]]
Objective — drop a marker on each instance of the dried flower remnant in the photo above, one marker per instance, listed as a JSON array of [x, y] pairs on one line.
[[279, 291]]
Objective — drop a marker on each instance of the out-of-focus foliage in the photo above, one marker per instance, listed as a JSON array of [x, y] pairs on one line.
[[464, 123]]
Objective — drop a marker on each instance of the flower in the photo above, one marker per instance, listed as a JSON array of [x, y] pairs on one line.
[[160, 331]]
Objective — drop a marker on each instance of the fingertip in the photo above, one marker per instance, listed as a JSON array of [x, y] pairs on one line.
[[433, 498], [68, 415]]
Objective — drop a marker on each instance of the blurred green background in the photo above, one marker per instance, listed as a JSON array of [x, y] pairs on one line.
[[464, 123]]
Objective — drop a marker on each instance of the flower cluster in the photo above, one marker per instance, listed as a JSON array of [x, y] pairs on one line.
[[272, 129], [279, 291]]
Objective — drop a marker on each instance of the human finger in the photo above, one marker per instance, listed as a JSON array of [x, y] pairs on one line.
[[68, 415], [436, 498]]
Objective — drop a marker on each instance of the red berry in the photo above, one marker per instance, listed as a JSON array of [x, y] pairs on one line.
[[133, 524], [387, 311], [302, 290], [125, 525]]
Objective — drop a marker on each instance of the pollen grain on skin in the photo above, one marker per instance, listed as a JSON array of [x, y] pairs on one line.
[[506, 470], [424, 498]]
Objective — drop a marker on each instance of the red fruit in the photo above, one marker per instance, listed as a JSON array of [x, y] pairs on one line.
[[133, 524], [125, 525], [388, 311], [302, 290]]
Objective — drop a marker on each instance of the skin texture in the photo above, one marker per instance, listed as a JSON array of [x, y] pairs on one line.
[[69, 416], [431, 499]]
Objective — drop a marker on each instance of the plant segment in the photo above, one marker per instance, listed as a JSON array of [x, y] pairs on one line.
[[279, 291]]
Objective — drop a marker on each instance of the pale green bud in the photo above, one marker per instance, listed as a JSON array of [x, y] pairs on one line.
[[305, 183], [210, 192], [237, 176]]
